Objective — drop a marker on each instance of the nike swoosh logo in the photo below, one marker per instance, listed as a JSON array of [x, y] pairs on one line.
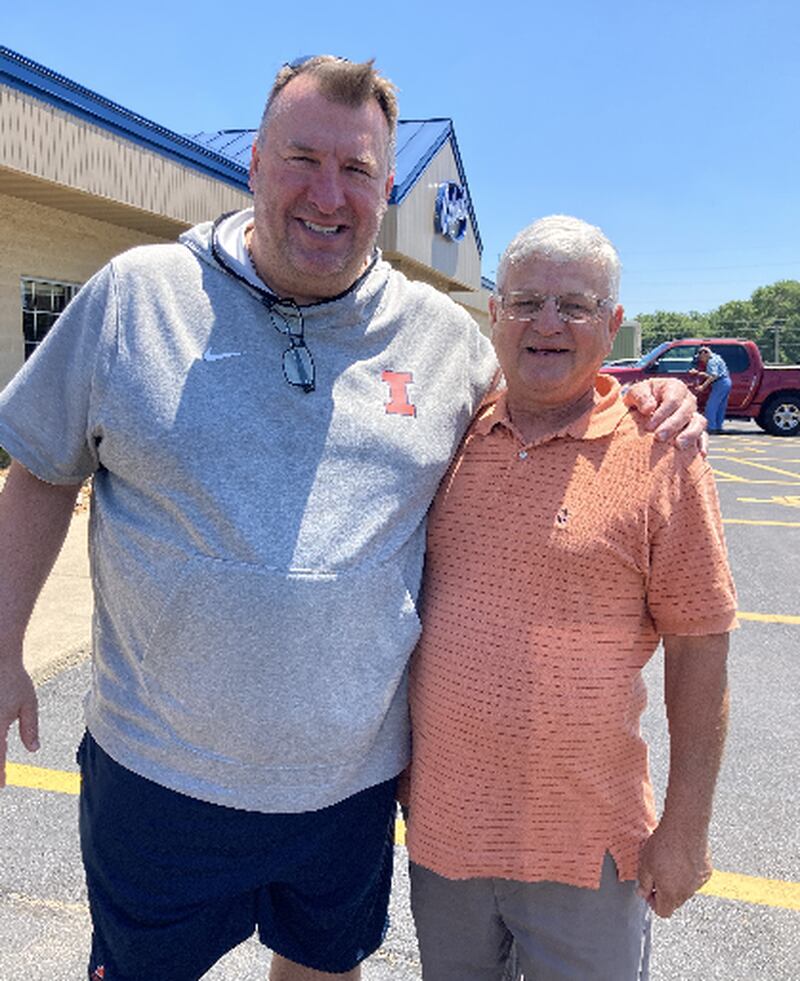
[[209, 356]]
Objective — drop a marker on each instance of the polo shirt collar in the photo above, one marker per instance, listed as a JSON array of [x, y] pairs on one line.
[[599, 420]]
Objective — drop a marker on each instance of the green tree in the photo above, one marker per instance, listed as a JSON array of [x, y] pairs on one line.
[[777, 310], [664, 325], [771, 318]]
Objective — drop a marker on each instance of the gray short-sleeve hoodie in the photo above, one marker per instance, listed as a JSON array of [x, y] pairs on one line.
[[256, 550]]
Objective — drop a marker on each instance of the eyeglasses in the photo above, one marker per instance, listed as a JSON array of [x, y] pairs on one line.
[[298, 365], [574, 308]]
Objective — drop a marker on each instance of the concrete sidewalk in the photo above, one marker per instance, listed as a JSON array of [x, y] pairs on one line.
[[59, 632]]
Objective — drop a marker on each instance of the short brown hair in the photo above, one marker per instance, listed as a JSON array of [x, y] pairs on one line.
[[348, 82]]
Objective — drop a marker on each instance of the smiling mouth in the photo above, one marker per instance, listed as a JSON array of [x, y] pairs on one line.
[[547, 350], [329, 230]]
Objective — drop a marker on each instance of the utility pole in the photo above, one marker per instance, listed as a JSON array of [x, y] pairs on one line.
[[776, 340]]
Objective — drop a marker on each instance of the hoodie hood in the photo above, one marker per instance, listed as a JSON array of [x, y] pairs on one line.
[[343, 310]]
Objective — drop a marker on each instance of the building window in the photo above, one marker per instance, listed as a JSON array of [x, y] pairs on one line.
[[42, 302]]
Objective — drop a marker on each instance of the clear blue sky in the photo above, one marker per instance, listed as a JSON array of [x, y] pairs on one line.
[[672, 125]]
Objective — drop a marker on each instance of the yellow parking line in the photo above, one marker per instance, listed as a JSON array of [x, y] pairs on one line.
[[768, 617], [763, 466], [773, 524], [735, 457], [784, 500], [751, 889], [41, 778], [726, 885], [723, 477]]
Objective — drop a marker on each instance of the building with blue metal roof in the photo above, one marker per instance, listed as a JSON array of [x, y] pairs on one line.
[[83, 178]]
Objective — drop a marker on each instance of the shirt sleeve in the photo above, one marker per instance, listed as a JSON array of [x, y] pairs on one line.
[[716, 367], [690, 590], [484, 372], [47, 411]]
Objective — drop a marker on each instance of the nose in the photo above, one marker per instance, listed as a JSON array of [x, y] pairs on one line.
[[549, 321], [326, 190]]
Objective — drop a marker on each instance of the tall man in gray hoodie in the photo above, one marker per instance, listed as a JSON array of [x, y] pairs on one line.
[[266, 408]]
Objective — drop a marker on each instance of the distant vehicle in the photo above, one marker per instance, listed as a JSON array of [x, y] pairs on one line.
[[769, 394]]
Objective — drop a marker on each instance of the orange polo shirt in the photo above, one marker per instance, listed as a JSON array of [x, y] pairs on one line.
[[552, 570]]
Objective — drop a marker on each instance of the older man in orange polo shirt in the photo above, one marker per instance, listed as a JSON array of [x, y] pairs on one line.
[[564, 543]]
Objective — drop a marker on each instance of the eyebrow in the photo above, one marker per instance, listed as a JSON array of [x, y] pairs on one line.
[[303, 148]]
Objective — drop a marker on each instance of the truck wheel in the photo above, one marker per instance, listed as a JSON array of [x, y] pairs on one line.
[[781, 416]]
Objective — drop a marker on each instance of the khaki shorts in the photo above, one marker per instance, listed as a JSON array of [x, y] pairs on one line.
[[495, 929]]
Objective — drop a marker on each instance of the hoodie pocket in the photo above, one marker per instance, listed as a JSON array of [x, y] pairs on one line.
[[284, 669]]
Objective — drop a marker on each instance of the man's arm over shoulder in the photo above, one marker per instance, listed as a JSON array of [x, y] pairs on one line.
[[34, 518], [675, 862]]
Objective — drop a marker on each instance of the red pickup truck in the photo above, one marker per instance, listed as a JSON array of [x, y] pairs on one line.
[[769, 394]]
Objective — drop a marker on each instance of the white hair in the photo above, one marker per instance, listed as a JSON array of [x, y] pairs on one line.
[[562, 239]]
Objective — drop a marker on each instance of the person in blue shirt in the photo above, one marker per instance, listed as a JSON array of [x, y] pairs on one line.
[[714, 375]]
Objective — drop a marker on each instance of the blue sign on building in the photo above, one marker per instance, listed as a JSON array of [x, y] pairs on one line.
[[451, 211]]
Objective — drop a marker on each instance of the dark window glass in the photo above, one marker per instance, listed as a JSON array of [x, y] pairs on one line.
[[42, 302], [676, 360], [735, 356]]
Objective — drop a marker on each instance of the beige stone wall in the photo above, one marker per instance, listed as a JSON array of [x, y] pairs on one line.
[[45, 243]]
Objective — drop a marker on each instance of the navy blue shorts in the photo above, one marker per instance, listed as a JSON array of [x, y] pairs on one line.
[[174, 883]]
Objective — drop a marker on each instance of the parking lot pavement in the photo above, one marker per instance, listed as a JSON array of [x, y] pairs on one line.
[[44, 922], [44, 925]]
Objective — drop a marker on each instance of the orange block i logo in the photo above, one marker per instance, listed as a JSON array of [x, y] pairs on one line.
[[398, 382]]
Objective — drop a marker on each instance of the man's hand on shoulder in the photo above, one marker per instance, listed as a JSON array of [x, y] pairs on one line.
[[17, 704], [673, 865], [672, 411]]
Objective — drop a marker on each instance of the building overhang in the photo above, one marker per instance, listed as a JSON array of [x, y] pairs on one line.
[[46, 192]]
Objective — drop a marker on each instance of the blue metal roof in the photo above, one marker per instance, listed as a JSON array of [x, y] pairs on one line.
[[418, 141], [27, 76], [235, 144]]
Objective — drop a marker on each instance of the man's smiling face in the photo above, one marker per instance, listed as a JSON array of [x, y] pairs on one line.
[[320, 181], [549, 362]]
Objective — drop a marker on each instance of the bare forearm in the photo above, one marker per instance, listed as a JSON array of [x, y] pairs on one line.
[[34, 518], [696, 696], [675, 861]]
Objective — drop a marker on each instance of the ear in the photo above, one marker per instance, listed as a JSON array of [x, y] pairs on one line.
[[494, 311], [389, 184], [615, 322], [255, 159]]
